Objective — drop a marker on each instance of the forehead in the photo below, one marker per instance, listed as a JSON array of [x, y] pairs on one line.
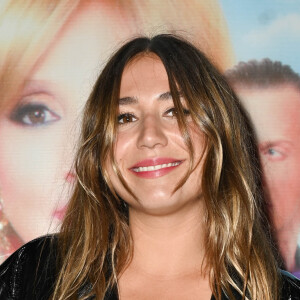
[[280, 100], [275, 111], [78, 53], [144, 75]]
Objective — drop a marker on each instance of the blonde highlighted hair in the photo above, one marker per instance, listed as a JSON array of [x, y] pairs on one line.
[[95, 244], [27, 29]]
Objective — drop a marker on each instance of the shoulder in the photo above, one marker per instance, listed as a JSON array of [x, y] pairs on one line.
[[290, 286], [30, 270], [38, 250]]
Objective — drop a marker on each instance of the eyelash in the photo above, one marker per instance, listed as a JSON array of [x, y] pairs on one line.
[[186, 112], [24, 114], [125, 115]]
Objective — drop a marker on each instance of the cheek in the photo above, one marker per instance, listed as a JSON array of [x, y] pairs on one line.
[[32, 176], [28, 154], [199, 144], [282, 178], [282, 184], [125, 156], [113, 178], [124, 147]]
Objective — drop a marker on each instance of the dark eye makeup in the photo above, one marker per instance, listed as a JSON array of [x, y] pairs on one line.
[[33, 114], [126, 118], [173, 111]]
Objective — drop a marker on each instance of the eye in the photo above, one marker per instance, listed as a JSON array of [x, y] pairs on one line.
[[172, 112], [126, 118], [274, 153], [33, 115]]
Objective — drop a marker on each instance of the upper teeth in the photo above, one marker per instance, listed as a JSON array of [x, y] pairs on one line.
[[157, 167]]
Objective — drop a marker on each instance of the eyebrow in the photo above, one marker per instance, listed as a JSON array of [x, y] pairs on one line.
[[128, 100], [37, 86], [134, 100], [274, 143]]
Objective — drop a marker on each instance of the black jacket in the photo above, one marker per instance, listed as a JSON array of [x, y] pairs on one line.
[[29, 274]]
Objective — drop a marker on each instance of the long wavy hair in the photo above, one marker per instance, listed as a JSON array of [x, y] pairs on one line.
[[95, 243]]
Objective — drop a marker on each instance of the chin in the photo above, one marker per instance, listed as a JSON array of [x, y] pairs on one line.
[[157, 207]]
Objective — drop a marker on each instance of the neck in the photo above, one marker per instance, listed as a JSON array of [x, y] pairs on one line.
[[170, 245]]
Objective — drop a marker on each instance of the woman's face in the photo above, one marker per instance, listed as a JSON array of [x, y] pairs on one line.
[[150, 151], [37, 133]]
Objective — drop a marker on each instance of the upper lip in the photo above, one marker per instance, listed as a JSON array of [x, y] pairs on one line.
[[155, 161]]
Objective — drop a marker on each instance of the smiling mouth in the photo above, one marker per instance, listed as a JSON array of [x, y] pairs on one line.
[[154, 168], [157, 167]]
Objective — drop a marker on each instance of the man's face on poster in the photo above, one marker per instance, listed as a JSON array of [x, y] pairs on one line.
[[275, 113]]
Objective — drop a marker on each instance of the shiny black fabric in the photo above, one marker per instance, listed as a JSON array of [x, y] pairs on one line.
[[29, 274]]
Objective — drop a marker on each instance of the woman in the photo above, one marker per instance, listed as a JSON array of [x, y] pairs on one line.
[[167, 202], [51, 53]]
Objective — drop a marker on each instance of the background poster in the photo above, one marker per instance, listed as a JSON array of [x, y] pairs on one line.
[[270, 92], [52, 51]]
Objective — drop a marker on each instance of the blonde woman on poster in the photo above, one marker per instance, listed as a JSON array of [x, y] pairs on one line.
[[50, 54], [270, 92]]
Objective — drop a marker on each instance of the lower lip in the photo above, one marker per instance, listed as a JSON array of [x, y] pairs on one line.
[[60, 213], [155, 173]]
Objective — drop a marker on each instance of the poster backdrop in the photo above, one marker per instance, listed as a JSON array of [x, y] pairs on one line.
[[51, 53], [266, 39]]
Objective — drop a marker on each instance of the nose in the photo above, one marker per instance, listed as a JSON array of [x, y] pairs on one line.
[[152, 134]]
